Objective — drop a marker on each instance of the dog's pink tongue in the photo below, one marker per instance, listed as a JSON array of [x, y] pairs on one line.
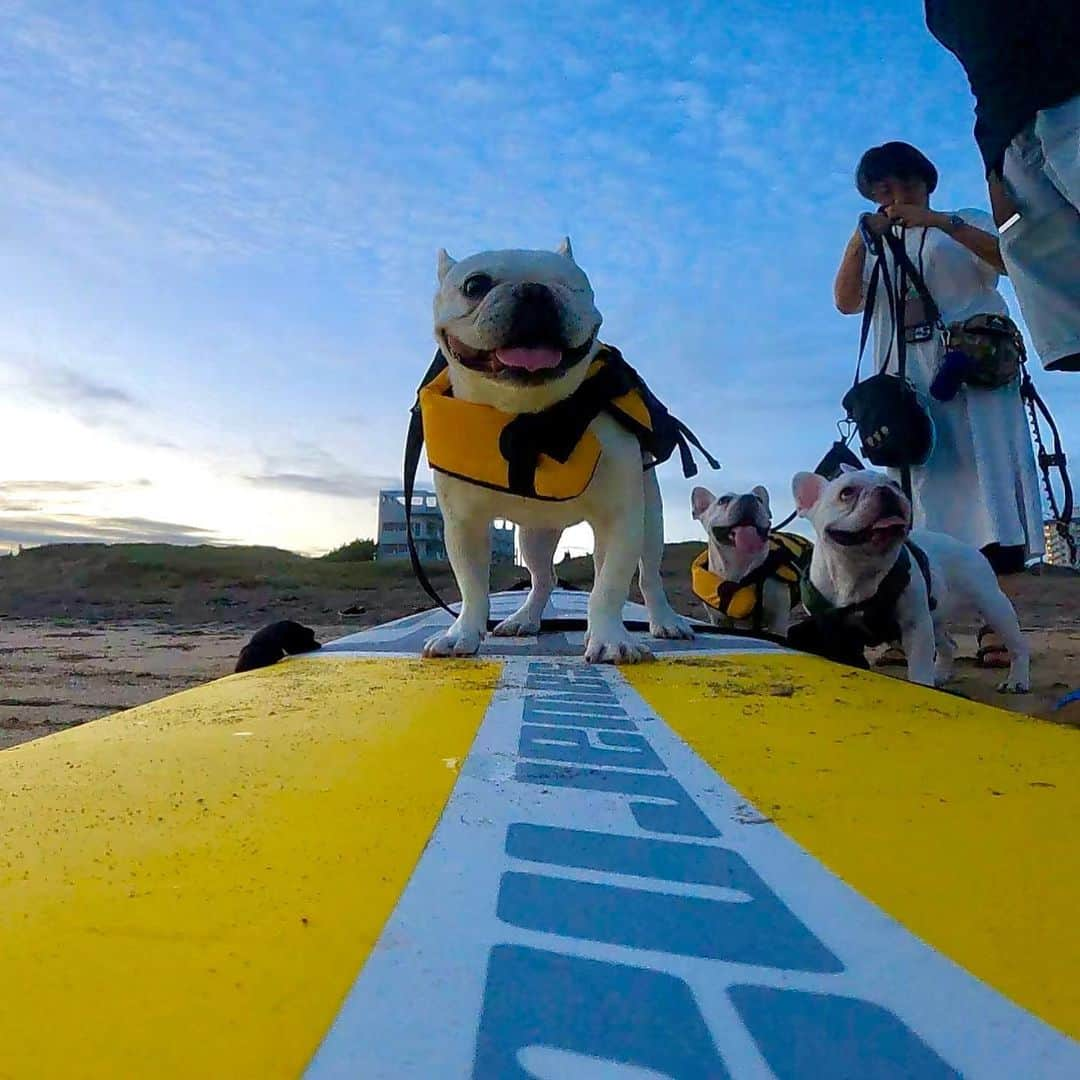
[[529, 359], [747, 539]]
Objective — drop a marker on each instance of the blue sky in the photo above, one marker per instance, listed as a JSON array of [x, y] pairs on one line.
[[220, 225]]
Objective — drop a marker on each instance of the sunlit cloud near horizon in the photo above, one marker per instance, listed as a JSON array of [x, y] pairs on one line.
[[220, 234]]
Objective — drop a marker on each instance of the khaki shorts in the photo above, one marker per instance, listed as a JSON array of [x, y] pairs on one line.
[[1042, 250]]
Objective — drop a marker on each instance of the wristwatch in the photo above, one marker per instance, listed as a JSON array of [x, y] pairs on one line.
[[954, 222]]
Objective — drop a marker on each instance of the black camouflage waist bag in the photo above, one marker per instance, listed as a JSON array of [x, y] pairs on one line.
[[991, 348]]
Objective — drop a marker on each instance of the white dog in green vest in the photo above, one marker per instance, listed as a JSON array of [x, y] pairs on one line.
[[874, 579]]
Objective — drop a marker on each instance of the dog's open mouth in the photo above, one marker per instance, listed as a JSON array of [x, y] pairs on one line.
[[522, 363], [880, 535], [745, 537]]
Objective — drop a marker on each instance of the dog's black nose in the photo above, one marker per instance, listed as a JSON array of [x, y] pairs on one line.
[[535, 321], [533, 290], [745, 509], [890, 502]]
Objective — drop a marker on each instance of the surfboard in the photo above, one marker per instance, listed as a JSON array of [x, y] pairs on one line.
[[736, 861]]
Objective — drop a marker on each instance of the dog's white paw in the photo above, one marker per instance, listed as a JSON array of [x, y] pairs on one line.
[[615, 648], [1014, 686], [520, 624], [671, 627], [457, 641]]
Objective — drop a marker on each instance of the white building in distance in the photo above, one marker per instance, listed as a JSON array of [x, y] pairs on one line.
[[1057, 551], [427, 529]]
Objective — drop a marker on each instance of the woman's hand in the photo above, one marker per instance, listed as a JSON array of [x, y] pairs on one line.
[[912, 215], [877, 224]]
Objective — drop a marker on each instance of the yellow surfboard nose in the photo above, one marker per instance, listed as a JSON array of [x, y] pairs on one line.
[[194, 884]]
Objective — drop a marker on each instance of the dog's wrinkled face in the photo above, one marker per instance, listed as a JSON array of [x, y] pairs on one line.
[[516, 317], [735, 524], [861, 511]]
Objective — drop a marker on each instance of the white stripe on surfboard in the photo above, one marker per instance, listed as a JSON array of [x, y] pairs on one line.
[[415, 1009]]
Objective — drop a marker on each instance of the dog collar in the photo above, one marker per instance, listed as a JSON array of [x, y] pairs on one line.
[[788, 554], [871, 621]]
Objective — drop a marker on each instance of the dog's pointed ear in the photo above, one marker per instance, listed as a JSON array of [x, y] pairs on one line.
[[807, 487], [845, 467], [762, 494], [700, 501], [446, 264], [565, 249]]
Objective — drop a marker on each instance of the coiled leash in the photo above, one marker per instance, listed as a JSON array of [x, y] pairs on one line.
[[1061, 518]]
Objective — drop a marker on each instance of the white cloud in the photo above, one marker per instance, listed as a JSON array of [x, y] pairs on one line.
[[222, 225]]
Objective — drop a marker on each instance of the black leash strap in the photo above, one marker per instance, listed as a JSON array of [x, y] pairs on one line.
[[829, 467], [689, 465], [924, 568], [906, 272], [902, 265], [895, 298], [414, 444], [898, 247], [1062, 518], [868, 307]]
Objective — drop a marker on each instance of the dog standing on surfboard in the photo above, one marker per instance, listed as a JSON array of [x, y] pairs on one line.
[[528, 416]]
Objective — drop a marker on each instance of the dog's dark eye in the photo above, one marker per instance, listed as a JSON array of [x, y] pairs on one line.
[[724, 499], [476, 285], [847, 494]]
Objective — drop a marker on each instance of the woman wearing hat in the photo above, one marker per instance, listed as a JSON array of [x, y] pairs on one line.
[[979, 483]]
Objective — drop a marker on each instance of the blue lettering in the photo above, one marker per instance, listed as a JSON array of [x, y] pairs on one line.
[[620, 749], [585, 691], [677, 814], [761, 931], [804, 1034], [663, 860], [612, 1012], [535, 706]]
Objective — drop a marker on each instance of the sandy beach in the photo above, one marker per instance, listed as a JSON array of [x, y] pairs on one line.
[[56, 672]]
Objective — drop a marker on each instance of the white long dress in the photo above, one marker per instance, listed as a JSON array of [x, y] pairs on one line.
[[980, 484]]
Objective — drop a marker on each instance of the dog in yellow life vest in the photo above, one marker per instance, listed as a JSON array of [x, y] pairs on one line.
[[528, 416], [748, 576]]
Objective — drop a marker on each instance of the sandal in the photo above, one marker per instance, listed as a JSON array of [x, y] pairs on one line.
[[893, 656], [992, 652]]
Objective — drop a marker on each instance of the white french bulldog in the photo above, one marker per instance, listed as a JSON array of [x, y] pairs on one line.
[[862, 518], [737, 527], [519, 331]]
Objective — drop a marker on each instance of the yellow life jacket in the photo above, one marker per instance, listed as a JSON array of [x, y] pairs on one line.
[[548, 455], [788, 558]]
